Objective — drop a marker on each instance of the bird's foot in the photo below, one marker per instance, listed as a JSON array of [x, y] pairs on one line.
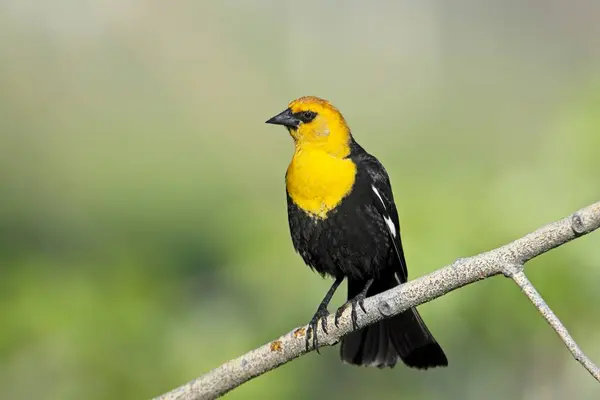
[[313, 327], [356, 301]]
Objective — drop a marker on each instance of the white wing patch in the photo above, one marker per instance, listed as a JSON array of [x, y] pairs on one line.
[[397, 278], [387, 219], [378, 195], [390, 225]]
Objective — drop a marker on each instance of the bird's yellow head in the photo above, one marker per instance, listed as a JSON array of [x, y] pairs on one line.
[[315, 122]]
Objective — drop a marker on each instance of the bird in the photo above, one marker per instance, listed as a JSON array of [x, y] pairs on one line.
[[344, 224]]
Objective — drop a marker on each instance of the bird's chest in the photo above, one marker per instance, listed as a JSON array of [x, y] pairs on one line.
[[317, 182]]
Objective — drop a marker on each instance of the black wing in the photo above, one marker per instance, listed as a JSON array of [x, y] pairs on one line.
[[383, 200]]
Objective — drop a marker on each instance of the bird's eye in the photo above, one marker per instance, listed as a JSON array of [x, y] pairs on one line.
[[307, 116]]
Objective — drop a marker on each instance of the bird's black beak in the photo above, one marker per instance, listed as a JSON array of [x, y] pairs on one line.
[[285, 118]]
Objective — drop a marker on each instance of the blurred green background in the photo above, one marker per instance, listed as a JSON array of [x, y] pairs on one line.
[[143, 227]]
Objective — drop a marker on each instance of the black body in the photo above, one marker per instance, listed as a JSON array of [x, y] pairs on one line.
[[356, 243]]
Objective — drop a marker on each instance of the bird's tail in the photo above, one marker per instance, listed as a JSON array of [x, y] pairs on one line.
[[403, 336]]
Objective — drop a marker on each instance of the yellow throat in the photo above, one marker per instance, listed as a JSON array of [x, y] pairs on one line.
[[317, 182]]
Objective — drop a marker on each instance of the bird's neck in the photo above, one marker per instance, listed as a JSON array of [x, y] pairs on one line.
[[317, 181]]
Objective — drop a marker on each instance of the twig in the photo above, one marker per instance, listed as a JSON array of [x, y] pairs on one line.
[[421, 290], [539, 303]]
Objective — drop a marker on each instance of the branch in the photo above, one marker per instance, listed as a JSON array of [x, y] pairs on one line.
[[508, 260], [539, 303]]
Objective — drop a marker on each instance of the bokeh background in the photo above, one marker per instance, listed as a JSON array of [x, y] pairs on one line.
[[143, 228]]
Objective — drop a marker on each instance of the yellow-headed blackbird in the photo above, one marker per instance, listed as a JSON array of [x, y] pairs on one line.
[[344, 224]]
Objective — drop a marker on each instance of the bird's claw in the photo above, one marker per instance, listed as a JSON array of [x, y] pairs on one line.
[[313, 327], [361, 303], [358, 300], [339, 313]]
